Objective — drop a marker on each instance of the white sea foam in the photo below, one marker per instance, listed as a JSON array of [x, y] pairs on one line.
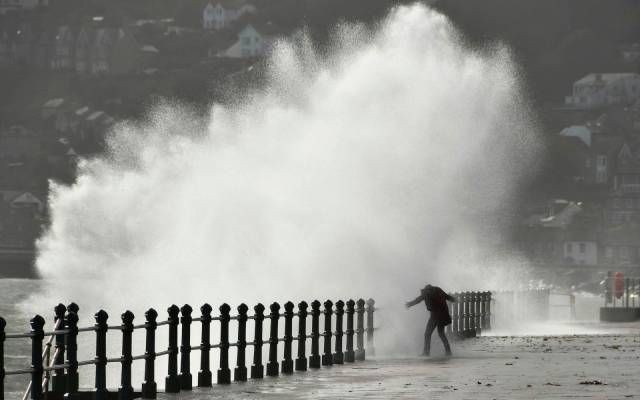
[[388, 163]]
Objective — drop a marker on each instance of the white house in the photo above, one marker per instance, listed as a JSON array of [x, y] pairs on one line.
[[17, 5], [597, 90], [250, 43], [581, 252], [221, 14]]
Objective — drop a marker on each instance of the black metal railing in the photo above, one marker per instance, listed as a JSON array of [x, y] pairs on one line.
[[62, 367], [621, 290], [470, 314]]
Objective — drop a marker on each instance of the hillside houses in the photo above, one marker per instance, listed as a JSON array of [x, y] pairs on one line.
[[600, 90], [95, 48], [221, 14]]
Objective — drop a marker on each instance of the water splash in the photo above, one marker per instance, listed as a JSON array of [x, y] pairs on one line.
[[366, 172]]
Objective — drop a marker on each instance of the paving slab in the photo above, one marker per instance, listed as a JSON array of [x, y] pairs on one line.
[[539, 367]]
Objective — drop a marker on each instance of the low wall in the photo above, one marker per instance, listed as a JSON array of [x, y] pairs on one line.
[[619, 314]]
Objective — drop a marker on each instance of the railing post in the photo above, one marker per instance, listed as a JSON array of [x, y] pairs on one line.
[[240, 372], [224, 373], [301, 361], [125, 392], [272, 365], [489, 295], [71, 344], [349, 355], [204, 375], [172, 382], [465, 314], [287, 362], [360, 355], [149, 386], [314, 359], [338, 356], [371, 304], [257, 369], [483, 310], [37, 334], [327, 357], [58, 379], [185, 348], [101, 328], [3, 337], [475, 329], [457, 315]]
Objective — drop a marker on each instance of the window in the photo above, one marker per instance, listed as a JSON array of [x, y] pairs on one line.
[[583, 247], [628, 204], [569, 247], [246, 41], [602, 161]]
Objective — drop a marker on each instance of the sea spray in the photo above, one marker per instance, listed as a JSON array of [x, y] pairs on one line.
[[368, 171]]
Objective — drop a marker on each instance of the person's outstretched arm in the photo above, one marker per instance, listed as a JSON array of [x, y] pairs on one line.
[[450, 298], [414, 301]]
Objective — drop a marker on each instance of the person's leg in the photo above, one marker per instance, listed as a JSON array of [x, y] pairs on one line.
[[445, 341], [431, 325]]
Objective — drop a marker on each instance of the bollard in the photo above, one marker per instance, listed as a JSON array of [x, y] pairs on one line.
[[272, 365], [338, 356], [172, 382], [125, 392], [489, 315], [476, 314], [287, 362], [301, 361], [449, 328], [224, 373], [257, 369], [360, 355], [101, 328], [314, 359], [327, 358], [370, 310], [240, 372], [204, 375], [149, 386], [3, 337], [349, 355], [37, 334], [483, 310], [464, 308], [71, 344], [185, 348], [58, 379]]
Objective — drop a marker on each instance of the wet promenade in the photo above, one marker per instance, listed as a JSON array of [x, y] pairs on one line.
[[538, 367]]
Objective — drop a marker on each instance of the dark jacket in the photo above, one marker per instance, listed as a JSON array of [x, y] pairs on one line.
[[436, 301]]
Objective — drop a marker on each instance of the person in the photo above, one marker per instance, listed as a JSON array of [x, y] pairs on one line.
[[436, 301]]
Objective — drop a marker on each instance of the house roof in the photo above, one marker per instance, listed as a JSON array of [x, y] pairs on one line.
[[605, 78], [95, 115], [82, 111], [578, 131], [562, 215], [229, 4], [54, 103], [149, 49]]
